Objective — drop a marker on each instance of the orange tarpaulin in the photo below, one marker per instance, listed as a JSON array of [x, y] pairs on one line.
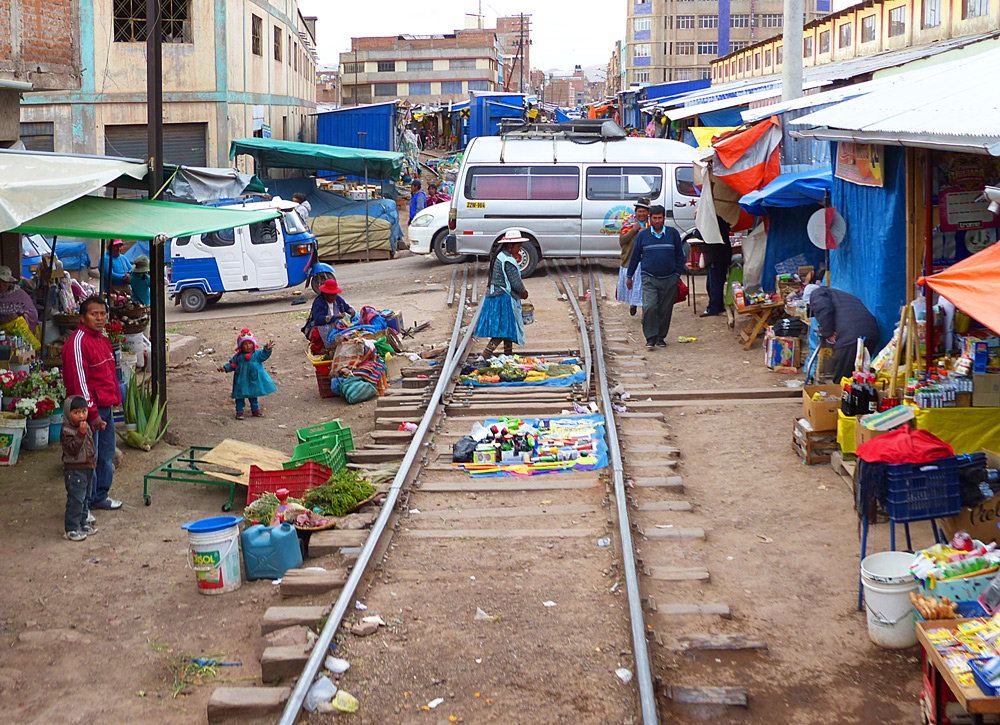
[[750, 160], [973, 286]]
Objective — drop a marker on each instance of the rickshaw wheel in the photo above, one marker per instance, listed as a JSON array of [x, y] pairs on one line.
[[193, 300], [318, 279]]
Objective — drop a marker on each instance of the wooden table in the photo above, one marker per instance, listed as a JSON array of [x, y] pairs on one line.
[[972, 699], [759, 315]]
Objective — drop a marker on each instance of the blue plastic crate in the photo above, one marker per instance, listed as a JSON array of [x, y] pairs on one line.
[[980, 678], [967, 609], [916, 492]]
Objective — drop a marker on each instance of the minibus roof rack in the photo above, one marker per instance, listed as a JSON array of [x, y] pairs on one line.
[[580, 130]]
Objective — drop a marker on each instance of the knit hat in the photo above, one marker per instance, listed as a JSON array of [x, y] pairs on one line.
[[245, 335], [808, 291], [141, 264]]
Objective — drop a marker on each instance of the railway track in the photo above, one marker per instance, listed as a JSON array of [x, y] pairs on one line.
[[574, 576]]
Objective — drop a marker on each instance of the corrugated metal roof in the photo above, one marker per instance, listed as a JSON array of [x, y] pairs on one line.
[[951, 105], [676, 114]]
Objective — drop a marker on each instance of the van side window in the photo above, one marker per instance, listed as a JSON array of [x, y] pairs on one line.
[[623, 183], [263, 233], [221, 238], [181, 241], [523, 183], [684, 176]]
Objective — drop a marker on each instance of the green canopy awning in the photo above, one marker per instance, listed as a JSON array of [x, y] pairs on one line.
[[98, 217], [273, 153]]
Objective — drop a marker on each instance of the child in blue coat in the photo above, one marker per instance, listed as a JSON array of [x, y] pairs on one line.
[[250, 380]]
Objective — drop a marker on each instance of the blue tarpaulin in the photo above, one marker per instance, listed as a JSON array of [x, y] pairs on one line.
[[600, 452], [561, 116], [787, 190], [786, 238], [723, 117], [870, 262]]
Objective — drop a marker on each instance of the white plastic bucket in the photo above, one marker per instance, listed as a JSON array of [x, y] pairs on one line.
[[12, 427], [887, 583], [214, 553]]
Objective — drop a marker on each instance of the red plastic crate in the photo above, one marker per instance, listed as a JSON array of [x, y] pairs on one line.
[[297, 480], [323, 381]]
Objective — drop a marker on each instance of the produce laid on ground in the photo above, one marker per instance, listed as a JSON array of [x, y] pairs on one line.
[[517, 369], [318, 508]]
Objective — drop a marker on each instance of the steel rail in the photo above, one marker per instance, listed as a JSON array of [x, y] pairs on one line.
[[588, 361], [340, 607], [643, 673]]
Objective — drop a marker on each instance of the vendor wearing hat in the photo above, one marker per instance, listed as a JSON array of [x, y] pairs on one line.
[[18, 313], [327, 308], [501, 319], [115, 264], [139, 280], [626, 240]]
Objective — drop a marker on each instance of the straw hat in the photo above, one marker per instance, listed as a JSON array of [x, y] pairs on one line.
[[141, 264], [512, 237]]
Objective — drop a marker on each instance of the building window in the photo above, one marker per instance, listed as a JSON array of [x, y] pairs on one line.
[[38, 136], [738, 45], [640, 76], [479, 85], [704, 74], [387, 66], [970, 9], [277, 43], [685, 48], [770, 20], [824, 42], [461, 63], [767, 57], [352, 68], [256, 35], [779, 55], [756, 60], [739, 21], [385, 89], [642, 50], [420, 89], [451, 87], [414, 66], [807, 47], [741, 65], [685, 22], [708, 21], [708, 48], [289, 50], [897, 21], [868, 26], [684, 74], [640, 24], [845, 36], [294, 49], [129, 18]]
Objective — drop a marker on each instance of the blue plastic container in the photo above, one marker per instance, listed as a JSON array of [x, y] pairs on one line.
[[270, 551]]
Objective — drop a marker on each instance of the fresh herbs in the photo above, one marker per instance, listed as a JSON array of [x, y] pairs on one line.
[[340, 494]]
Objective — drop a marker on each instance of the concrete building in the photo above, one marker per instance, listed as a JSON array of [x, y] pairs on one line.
[[231, 68], [864, 29], [571, 90], [514, 37], [613, 80], [328, 86], [676, 40], [39, 48], [421, 68]]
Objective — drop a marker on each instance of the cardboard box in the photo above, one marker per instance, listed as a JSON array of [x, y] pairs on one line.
[[782, 354], [863, 434], [980, 522], [821, 414], [985, 390]]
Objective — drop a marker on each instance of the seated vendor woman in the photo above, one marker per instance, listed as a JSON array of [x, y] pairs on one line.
[[327, 308], [18, 313]]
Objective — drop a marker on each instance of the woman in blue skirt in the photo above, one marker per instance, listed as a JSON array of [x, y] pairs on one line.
[[501, 319]]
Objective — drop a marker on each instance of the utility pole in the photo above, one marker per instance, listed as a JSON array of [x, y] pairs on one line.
[[368, 246], [154, 124], [791, 58], [521, 28]]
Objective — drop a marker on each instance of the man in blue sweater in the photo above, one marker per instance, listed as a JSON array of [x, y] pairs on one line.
[[661, 252]]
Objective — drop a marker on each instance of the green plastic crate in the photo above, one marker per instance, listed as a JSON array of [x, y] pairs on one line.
[[333, 428], [331, 455]]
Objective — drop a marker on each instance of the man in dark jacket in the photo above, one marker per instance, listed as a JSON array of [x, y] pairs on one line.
[[660, 250], [842, 319]]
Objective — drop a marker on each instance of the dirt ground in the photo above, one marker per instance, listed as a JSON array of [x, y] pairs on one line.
[[89, 631]]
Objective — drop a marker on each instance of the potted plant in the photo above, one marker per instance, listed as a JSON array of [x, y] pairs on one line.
[[56, 390], [37, 411], [143, 415], [115, 332]]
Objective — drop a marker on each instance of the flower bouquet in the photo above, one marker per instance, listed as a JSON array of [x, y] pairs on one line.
[[34, 409], [115, 332]]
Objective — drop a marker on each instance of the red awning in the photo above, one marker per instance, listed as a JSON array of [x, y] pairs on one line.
[[973, 286]]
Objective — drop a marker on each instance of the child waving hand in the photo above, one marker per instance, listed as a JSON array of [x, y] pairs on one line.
[[250, 379]]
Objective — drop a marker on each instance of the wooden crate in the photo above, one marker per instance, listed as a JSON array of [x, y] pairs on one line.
[[813, 446]]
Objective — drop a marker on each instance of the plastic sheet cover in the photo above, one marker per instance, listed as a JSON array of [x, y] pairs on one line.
[[786, 238], [871, 261]]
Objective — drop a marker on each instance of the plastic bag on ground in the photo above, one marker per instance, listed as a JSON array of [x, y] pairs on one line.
[[322, 690], [463, 450]]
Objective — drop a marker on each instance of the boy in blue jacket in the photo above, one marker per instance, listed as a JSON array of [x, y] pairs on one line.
[[250, 379], [661, 252]]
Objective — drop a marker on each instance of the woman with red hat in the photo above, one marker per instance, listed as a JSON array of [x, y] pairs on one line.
[[327, 308]]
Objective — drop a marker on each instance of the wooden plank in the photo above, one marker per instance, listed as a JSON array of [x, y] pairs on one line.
[[734, 696], [246, 703], [376, 455], [631, 415], [673, 533], [240, 456], [665, 506], [647, 448], [297, 582], [629, 363], [670, 463], [280, 617], [674, 482], [668, 404], [684, 610], [331, 541], [279, 663], [479, 485], [506, 512], [677, 573], [729, 394], [719, 642], [573, 533]]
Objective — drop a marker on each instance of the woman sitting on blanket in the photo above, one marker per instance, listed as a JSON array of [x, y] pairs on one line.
[[327, 309]]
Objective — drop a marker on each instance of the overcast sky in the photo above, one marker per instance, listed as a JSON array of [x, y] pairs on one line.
[[563, 34]]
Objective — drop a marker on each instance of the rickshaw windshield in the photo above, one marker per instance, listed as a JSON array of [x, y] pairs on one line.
[[293, 223]]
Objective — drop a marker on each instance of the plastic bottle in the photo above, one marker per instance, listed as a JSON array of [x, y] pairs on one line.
[[846, 401], [872, 394]]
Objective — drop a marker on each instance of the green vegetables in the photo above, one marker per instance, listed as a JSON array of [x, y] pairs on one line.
[[340, 494], [145, 411]]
